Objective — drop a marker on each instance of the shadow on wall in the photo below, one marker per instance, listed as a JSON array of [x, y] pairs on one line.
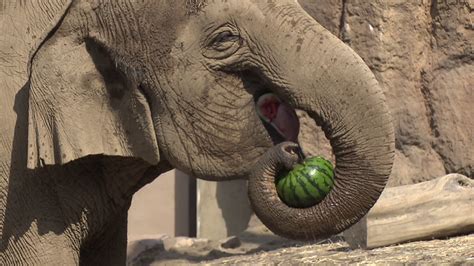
[[185, 205], [233, 201], [178, 205], [223, 208]]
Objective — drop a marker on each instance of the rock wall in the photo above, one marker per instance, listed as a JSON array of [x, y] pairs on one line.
[[422, 54]]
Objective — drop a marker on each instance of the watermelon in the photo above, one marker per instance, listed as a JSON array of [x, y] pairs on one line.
[[307, 183]]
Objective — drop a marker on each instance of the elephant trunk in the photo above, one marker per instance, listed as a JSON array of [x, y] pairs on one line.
[[335, 87]]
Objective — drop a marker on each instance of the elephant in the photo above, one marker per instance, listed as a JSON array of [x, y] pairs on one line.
[[100, 97]]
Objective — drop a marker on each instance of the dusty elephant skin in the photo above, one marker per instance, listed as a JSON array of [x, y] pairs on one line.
[[100, 97]]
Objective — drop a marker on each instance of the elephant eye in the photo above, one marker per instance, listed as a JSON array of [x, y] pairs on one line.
[[224, 40], [223, 43]]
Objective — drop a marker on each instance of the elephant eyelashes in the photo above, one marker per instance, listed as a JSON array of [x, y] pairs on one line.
[[224, 43]]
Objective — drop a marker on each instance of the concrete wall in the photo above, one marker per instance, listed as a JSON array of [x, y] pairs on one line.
[[223, 208], [164, 206], [174, 205]]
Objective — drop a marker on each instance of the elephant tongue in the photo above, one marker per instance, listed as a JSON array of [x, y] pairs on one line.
[[280, 115]]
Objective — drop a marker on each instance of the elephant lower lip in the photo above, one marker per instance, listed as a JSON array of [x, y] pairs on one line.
[[279, 115]]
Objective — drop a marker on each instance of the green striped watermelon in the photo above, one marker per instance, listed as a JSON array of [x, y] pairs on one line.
[[307, 184]]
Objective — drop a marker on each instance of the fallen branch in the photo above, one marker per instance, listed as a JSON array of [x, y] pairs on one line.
[[434, 209]]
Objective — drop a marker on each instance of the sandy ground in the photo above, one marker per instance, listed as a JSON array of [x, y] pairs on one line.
[[261, 247], [456, 251]]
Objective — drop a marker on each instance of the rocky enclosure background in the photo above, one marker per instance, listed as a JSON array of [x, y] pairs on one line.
[[422, 54]]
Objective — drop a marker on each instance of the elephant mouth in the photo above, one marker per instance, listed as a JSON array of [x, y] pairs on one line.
[[279, 115]]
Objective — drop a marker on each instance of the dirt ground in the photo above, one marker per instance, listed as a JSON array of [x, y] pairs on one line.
[[264, 248], [456, 251]]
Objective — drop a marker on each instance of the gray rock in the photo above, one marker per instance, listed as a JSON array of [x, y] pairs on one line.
[[138, 246], [230, 242], [179, 243]]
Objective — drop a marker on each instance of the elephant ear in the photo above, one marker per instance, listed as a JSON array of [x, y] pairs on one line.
[[80, 104]]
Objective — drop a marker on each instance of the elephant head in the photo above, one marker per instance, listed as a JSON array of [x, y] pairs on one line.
[[179, 81]]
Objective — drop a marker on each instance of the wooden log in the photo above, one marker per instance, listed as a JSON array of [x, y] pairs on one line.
[[438, 208]]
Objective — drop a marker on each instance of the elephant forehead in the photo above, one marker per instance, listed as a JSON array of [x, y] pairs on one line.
[[157, 25], [215, 13]]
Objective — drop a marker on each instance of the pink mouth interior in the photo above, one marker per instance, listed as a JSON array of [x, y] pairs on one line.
[[280, 115]]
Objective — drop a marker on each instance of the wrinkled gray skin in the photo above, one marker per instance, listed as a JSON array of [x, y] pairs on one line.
[[103, 96]]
